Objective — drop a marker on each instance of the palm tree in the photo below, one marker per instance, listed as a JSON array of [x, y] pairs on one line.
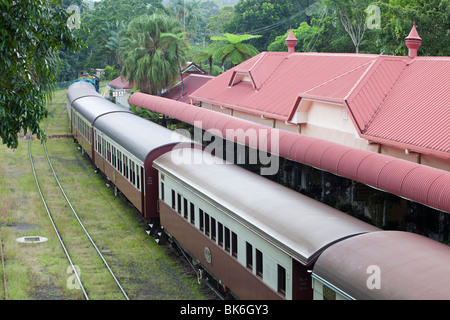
[[232, 48], [146, 60], [177, 44]]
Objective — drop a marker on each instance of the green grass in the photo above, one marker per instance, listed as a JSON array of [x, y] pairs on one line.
[[39, 271]]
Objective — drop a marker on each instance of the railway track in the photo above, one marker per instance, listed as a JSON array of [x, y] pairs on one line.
[[77, 245], [5, 289]]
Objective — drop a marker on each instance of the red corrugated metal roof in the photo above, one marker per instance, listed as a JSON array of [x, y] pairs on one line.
[[391, 100], [277, 80], [370, 93], [191, 83], [120, 83], [416, 113], [423, 184]]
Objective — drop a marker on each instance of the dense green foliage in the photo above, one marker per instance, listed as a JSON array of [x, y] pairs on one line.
[[37, 47], [31, 34], [233, 49], [150, 51], [318, 25], [255, 16]]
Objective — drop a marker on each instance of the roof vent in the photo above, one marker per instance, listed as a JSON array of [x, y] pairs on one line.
[[291, 42], [413, 42]]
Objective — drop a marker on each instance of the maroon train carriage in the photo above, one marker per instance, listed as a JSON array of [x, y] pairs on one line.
[[84, 112], [256, 237], [80, 89], [121, 144], [260, 240], [125, 146], [387, 265]]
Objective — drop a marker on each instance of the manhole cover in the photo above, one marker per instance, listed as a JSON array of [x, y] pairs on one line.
[[32, 239]]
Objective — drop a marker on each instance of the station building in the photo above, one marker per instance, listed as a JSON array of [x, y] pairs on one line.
[[368, 134]]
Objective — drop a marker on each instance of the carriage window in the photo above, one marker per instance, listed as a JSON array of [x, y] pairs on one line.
[[108, 151], [99, 144], [234, 246], [201, 219], [281, 280], [132, 172], [185, 209], [227, 239], [220, 233], [114, 159], [131, 166], [328, 293], [103, 148], [213, 228], [125, 166], [192, 213], [162, 191], [206, 224], [259, 263], [119, 164], [179, 203], [173, 199], [138, 177], [249, 249]]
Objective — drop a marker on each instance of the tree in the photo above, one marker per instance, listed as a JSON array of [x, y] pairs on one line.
[[264, 17], [432, 18], [31, 34], [232, 48], [353, 16], [112, 34], [145, 60], [105, 16], [305, 34], [176, 44], [216, 22]]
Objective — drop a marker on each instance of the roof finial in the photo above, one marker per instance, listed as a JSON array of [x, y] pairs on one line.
[[413, 41], [291, 42]]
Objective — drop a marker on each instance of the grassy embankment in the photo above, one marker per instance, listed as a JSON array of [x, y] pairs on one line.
[[39, 271]]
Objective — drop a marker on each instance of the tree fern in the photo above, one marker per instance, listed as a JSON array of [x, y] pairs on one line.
[[232, 49]]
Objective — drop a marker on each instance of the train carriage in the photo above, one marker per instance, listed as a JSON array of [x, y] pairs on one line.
[[125, 146], [387, 265], [256, 236], [120, 144], [85, 105], [84, 114], [79, 89], [259, 239]]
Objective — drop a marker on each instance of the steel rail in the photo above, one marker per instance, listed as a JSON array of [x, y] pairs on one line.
[[3, 268], [53, 223], [82, 226]]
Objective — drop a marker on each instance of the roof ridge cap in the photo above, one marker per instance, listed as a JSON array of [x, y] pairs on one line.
[[339, 76], [274, 70], [262, 55], [382, 102]]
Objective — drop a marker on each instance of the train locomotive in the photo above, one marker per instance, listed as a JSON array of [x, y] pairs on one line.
[[255, 238]]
